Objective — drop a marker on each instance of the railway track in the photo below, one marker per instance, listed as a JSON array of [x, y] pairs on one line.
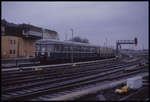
[[26, 76], [63, 86], [47, 75], [8, 76], [56, 77], [53, 84], [28, 71], [13, 63]]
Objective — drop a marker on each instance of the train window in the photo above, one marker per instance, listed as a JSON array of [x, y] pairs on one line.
[[60, 47], [43, 47], [87, 49], [82, 49], [74, 48], [37, 47], [92, 49], [79, 48], [97, 50], [50, 47], [66, 48], [56, 47]]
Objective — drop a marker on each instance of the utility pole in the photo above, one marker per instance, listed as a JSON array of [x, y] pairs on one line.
[[65, 36], [143, 46], [72, 33], [106, 42], [42, 33], [119, 42], [72, 47]]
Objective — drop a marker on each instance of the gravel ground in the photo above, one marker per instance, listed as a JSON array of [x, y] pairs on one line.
[[110, 95]]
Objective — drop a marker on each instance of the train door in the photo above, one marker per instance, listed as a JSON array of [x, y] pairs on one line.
[[26, 53]]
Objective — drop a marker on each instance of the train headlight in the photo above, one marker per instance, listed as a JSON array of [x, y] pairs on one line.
[[42, 53]]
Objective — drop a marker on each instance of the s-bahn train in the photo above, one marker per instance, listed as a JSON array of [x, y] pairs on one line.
[[48, 50]]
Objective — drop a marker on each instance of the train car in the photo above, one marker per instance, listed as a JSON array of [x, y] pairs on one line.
[[48, 50]]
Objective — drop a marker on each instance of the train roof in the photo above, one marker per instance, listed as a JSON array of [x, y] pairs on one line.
[[52, 41], [48, 41]]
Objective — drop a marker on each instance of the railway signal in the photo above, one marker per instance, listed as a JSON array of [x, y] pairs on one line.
[[119, 42], [135, 41]]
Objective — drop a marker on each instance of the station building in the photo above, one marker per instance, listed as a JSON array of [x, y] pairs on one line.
[[18, 40]]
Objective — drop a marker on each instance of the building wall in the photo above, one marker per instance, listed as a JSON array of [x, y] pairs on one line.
[[9, 46], [13, 46], [18, 40], [29, 47]]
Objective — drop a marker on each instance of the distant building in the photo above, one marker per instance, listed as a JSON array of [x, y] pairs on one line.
[[18, 40]]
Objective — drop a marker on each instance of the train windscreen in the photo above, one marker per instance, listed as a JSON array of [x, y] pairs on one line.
[[37, 47], [43, 47], [40, 47]]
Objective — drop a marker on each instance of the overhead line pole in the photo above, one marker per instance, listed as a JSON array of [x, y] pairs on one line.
[[72, 47]]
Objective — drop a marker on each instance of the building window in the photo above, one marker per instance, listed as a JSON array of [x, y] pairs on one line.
[[14, 51], [11, 41], [14, 41], [10, 51], [3, 30]]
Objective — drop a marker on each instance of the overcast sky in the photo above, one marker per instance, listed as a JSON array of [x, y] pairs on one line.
[[100, 22]]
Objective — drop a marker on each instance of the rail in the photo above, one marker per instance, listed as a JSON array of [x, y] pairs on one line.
[[67, 84], [59, 65]]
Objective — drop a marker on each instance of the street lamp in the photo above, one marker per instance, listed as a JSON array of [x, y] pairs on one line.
[[72, 47]]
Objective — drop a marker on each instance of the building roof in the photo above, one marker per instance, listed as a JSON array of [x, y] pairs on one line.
[[23, 29], [30, 27], [5, 23]]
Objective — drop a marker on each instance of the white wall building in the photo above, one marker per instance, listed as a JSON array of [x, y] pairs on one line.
[[49, 34]]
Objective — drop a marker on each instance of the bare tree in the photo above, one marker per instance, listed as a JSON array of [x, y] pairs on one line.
[[78, 39]]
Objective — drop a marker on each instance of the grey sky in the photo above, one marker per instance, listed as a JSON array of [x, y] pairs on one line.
[[96, 21]]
